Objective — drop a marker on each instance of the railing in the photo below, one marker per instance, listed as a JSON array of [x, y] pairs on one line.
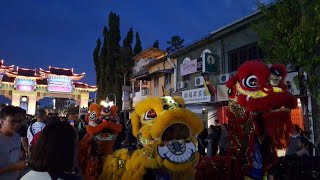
[[144, 92]]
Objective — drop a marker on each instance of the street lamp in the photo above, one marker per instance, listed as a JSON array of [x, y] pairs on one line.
[[115, 99]]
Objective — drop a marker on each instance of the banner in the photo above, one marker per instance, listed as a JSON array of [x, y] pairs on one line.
[[60, 84], [25, 84]]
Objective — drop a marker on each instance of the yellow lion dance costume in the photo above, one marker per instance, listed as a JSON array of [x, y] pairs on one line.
[[167, 134]]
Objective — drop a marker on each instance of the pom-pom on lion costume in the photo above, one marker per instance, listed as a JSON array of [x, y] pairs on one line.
[[166, 134], [102, 129], [259, 122]]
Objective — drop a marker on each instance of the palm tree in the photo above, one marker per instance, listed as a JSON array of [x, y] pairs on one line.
[[175, 43]]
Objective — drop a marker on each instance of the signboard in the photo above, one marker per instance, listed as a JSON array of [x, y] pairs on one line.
[[195, 96], [222, 93], [191, 67], [292, 87], [126, 100], [59, 84], [24, 84], [125, 105], [210, 63]]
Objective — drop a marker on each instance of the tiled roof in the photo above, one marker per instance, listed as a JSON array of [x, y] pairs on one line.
[[26, 72], [61, 71]]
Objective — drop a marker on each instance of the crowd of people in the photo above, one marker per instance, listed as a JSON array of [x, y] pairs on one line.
[[44, 146], [214, 140]]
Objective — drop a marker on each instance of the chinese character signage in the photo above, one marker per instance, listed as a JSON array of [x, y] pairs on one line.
[[195, 96], [59, 84], [24, 84], [191, 67], [210, 63]]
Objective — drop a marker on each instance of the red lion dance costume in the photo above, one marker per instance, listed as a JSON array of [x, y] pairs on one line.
[[259, 123], [102, 129]]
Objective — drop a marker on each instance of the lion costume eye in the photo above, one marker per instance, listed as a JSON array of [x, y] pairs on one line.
[[230, 91], [250, 82], [149, 115], [92, 115]]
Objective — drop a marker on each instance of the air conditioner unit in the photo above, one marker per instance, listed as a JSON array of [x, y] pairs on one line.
[[181, 85], [290, 68], [224, 78], [198, 81]]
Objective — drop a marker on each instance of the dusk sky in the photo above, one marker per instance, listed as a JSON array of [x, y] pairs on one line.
[[63, 33]]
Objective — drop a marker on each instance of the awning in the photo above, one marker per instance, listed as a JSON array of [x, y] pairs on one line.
[[162, 71], [148, 76]]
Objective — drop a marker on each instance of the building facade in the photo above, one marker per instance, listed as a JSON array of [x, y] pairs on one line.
[[231, 45], [153, 73]]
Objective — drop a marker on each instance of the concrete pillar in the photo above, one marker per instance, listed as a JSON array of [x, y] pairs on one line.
[[15, 99], [84, 100], [32, 105]]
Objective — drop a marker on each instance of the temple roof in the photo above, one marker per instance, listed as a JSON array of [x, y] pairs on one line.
[[84, 86], [26, 73], [61, 72], [3, 68], [5, 78]]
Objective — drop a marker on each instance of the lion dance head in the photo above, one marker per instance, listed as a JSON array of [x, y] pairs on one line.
[[166, 134], [102, 130]]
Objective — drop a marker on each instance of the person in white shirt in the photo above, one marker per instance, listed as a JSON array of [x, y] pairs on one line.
[[36, 127]]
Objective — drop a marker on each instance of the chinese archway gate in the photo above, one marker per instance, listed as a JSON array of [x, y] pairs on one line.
[[27, 86]]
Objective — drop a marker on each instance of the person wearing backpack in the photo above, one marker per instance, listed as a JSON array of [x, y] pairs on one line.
[[37, 126]]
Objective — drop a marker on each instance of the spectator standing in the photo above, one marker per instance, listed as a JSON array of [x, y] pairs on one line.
[[23, 132], [223, 139], [217, 128], [10, 143], [49, 160], [37, 126], [293, 146], [201, 141], [212, 142], [303, 144]]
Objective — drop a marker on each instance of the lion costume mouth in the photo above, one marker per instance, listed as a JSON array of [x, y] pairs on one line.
[[105, 135], [177, 148]]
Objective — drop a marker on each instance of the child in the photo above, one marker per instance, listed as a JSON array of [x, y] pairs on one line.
[[10, 151]]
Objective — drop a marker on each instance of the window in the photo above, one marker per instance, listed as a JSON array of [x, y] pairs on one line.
[[238, 56], [167, 79], [156, 86], [137, 86]]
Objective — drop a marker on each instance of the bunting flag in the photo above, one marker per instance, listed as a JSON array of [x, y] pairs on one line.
[[210, 89], [165, 92]]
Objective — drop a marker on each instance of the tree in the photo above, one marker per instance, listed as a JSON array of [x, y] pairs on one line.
[[137, 47], [175, 43], [156, 44], [113, 62], [96, 60], [289, 34], [126, 62]]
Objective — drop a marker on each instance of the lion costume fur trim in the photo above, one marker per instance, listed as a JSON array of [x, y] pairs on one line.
[[122, 165]]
